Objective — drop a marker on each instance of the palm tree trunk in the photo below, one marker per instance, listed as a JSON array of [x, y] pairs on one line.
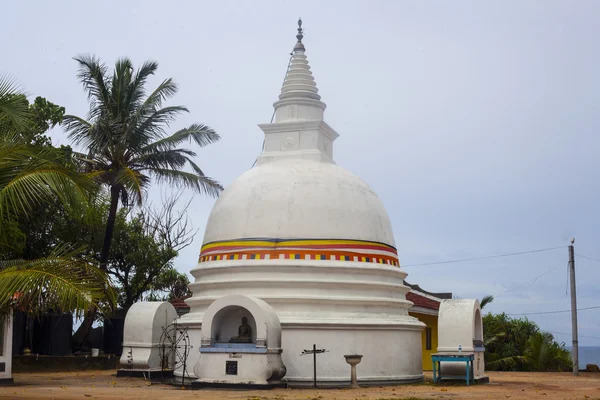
[[110, 226], [82, 332]]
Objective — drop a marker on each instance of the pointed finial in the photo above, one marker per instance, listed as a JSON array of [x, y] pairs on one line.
[[299, 35], [299, 45]]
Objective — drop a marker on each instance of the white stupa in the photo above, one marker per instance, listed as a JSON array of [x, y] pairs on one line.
[[315, 243]]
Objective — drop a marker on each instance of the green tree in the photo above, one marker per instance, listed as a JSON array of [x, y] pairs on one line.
[[127, 143], [30, 176], [144, 249], [518, 345], [139, 261], [41, 116], [544, 354]]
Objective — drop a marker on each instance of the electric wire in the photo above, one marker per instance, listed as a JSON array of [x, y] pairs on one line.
[[557, 311], [531, 284], [587, 258], [569, 334], [274, 111], [482, 258]]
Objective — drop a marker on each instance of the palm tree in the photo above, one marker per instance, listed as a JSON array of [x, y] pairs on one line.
[[544, 354], [31, 175], [127, 142], [519, 345]]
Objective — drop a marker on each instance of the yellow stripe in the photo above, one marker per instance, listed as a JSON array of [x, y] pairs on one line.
[[262, 243]]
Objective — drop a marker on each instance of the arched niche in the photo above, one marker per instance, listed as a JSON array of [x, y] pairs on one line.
[[223, 318], [226, 323], [477, 329]]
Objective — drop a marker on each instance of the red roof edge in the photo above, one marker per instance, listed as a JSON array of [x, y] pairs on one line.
[[422, 301]]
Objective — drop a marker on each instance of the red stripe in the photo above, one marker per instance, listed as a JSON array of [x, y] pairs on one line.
[[316, 246]]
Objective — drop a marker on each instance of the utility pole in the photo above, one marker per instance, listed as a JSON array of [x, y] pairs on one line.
[[574, 309]]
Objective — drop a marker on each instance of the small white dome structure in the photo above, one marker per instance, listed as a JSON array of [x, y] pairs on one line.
[[144, 324], [314, 242], [460, 326]]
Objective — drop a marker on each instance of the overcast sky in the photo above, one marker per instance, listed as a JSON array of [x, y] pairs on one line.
[[476, 122]]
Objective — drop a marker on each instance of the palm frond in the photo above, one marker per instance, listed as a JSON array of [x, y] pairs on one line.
[[13, 103], [167, 89], [486, 300], [92, 74], [60, 281], [29, 176], [137, 91], [506, 363], [171, 159], [121, 82], [133, 180], [201, 184], [201, 134], [78, 130], [152, 126]]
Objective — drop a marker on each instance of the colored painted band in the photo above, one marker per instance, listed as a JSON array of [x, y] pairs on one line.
[[300, 249]]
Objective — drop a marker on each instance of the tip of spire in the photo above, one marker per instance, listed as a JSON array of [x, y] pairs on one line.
[[299, 45]]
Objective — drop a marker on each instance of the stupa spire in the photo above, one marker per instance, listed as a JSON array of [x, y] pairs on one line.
[[299, 83], [299, 130]]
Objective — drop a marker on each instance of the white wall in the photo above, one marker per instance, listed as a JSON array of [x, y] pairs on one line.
[[6, 330]]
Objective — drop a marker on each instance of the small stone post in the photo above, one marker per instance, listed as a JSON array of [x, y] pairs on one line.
[[353, 360]]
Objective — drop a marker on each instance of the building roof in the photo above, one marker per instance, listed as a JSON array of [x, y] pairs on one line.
[[421, 301], [424, 299], [444, 295], [179, 303]]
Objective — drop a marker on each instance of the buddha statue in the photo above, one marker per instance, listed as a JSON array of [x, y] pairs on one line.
[[244, 333]]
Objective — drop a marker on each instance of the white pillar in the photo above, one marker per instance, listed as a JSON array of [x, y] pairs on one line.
[[6, 330]]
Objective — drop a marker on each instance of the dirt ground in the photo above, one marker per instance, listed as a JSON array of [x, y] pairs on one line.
[[104, 385]]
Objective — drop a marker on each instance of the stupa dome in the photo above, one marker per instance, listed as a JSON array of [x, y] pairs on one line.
[[299, 199]]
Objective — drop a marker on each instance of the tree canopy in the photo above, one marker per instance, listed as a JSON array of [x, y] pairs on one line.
[[519, 345], [31, 175]]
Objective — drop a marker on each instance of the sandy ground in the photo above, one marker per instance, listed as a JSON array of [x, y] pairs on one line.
[[104, 385]]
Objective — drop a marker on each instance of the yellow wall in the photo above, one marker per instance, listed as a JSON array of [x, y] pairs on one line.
[[432, 322]]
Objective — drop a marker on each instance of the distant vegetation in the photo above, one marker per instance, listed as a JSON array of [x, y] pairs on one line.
[[513, 344]]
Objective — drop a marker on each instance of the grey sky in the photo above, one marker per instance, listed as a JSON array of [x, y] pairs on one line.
[[476, 122]]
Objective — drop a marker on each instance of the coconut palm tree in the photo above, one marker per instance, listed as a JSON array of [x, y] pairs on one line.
[[126, 139], [544, 354], [29, 176]]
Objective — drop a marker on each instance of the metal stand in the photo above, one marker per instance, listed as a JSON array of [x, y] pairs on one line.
[[175, 348], [314, 352]]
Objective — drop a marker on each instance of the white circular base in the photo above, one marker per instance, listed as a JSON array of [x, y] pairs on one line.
[[343, 307], [391, 354]]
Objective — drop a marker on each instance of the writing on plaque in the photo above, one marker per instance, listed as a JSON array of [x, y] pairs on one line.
[[234, 355], [231, 367]]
